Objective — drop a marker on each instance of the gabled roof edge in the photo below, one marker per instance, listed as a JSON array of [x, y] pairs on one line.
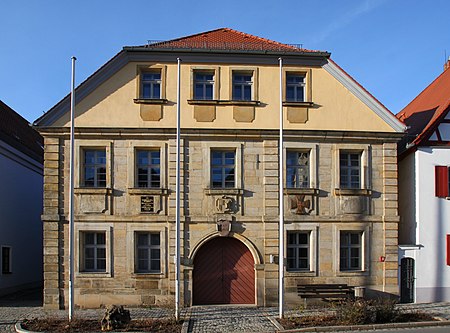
[[362, 94], [83, 89]]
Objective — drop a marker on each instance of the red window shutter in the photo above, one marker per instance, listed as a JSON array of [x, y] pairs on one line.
[[441, 176], [448, 250]]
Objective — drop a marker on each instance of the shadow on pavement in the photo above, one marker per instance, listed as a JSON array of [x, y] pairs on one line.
[[23, 298]]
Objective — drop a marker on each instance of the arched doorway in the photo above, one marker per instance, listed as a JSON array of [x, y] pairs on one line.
[[223, 273]]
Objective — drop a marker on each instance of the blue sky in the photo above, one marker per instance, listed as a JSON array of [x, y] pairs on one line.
[[394, 48]]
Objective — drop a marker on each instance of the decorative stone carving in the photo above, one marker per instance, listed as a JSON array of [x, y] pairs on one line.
[[225, 205], [223, 227], [300, 205]]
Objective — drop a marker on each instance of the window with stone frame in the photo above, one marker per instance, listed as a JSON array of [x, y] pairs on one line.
[[203, 85], [93, 251], [298, 251], [295, 87], [223, 168], [297, 169], [150, 84], [349, 170], [350, 251], [94, 167], [148, 168], [242, 86], [147, 252]]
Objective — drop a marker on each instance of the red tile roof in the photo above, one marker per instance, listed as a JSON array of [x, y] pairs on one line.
[[426, 111], [226, 39], [18, 133]]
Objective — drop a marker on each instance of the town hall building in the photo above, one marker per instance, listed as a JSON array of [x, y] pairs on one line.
[[340, 171]]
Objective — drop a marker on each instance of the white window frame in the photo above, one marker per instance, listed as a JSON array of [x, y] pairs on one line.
[[210, 146], [80, 147], [83, 227], [313, 151], [365, 167], [313, 230], [132, 229], [365, 231]]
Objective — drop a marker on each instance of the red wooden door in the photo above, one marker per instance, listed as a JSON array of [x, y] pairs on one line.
[[223, 273]]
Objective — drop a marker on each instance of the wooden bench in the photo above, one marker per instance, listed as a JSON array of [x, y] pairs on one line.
[[325, 291]]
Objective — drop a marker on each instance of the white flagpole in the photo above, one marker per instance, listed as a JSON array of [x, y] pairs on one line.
[[71, 185], [177, 207], [281, 194]]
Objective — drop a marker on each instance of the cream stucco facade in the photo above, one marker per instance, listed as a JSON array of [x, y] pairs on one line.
[[337, 116]]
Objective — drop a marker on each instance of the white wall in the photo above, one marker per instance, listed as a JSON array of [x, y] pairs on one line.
[[433, 220], [21, 188]]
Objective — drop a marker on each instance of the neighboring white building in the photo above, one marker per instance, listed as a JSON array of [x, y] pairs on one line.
[[21, 190], [424, 202]]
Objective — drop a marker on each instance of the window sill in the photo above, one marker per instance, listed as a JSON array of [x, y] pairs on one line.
[[203, 101], [352, 273], [243, 103], [146, 275], [93, 275], [352, 192], [298, 104], [224, 191], [150, 191], [300, 273], [310, 191], [92, 190], [150, 101], [222, 102]]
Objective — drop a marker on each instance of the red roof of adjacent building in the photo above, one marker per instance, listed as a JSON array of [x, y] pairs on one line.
[[18, 133], [426, 111], [226, 39]]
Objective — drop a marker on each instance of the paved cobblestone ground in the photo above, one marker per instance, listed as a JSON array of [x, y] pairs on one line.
[[204, 319], [229, 319]]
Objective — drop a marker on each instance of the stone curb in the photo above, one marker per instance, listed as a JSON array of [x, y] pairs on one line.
[[373, 327]]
